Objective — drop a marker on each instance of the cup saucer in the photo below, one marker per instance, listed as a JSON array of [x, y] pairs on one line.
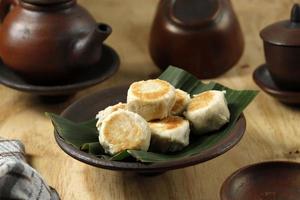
[[264, 80], [267, 180], [107, 66]]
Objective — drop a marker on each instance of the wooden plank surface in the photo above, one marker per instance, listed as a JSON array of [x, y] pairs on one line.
[[272, 128]]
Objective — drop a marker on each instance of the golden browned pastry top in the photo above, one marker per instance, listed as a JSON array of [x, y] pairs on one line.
[[200, 101], [121, 130], [170, 122], [151, 89]]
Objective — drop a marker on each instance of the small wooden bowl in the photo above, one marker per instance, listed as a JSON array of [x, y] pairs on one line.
[[264, 80], [264, 181], [87, 108], [108, 66]]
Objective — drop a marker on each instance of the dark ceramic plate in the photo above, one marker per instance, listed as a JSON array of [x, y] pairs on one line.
[[54, 194], [107, 66], [264, 181], [263, 79], [86, 109]]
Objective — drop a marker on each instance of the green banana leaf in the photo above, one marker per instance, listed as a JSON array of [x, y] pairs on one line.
[[84, 135]]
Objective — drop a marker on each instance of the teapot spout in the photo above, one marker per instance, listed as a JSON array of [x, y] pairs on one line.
[[86, 51], [103, 31]]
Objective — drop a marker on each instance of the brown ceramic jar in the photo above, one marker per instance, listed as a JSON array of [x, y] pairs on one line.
[[282, 50], [201, 36], [48, 41]]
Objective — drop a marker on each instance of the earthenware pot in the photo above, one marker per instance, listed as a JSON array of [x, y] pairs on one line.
[[49, 40], [282, 50], [203, 37]]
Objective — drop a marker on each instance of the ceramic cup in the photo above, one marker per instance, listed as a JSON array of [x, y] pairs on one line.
[[282, 51]]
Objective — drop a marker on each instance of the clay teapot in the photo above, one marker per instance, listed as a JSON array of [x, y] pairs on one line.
[[49, 41], [201, 36]]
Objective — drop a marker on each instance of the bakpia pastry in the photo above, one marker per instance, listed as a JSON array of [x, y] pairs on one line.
[[122, 130], [181, 101], [208, 111], [152, 99], [107, 111], [170, 134]]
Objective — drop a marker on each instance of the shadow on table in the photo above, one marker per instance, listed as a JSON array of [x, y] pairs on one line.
[[175, 184], [39, 104]]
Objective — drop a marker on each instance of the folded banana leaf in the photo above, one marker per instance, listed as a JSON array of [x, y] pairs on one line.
[[84, 136]]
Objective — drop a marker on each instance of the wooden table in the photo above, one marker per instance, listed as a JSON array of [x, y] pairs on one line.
[[272, 128]]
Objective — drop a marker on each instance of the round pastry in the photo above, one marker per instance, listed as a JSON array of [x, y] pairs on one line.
[[170, 134], [182, 100], [208, 111], [107, 111], [122, 130], [152, 99]]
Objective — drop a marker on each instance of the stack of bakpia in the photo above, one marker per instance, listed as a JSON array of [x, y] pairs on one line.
[[159, 116]]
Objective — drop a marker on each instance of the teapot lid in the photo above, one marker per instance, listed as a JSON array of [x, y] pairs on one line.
[[284, 33], [45, 2]]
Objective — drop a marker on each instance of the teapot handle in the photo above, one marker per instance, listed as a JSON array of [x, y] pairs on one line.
[[5, 6]]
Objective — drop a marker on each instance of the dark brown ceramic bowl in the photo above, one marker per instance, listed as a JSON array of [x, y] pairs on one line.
[[264, 80], [108, 65], [87, 108], [264, 181]]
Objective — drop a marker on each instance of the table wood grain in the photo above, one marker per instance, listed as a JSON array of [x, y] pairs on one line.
[[273, 130]]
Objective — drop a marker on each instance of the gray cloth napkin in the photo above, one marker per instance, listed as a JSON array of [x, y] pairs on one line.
[[17, 179]]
